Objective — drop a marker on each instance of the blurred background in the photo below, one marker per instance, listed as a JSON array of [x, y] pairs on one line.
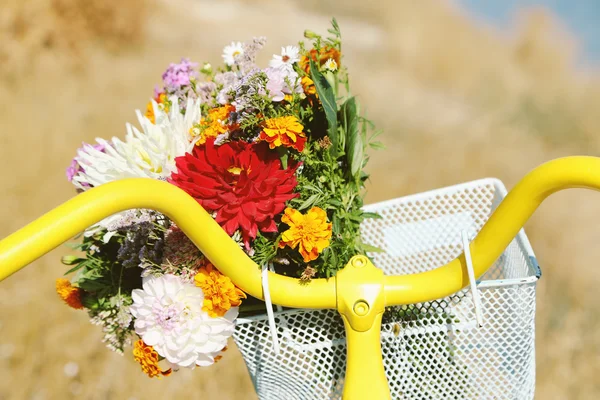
[[462, 90]]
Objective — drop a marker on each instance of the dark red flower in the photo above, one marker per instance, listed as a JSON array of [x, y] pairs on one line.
[[243, 183]]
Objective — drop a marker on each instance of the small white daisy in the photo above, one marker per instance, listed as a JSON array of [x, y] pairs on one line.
[[289, 56], [232, 51], [331, 65]]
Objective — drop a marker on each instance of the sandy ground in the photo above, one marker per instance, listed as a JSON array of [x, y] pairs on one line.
[[457, 100]]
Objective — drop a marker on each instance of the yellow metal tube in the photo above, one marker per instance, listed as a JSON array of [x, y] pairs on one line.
[[365, 376], [361, 305], [499, 230], [86, 209]]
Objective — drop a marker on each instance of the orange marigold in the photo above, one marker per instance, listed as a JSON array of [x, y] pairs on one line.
[[308, 86], [286, 131], [220, 294], [214, 124], [321, 56], [70, 294], [148, 359], [309, 232], [161, 99]]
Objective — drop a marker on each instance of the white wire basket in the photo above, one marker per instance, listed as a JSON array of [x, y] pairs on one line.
[[431, 350]]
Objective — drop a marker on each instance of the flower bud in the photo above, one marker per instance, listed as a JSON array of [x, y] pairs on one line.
[[69, 260], [310, 34], [206, 69]]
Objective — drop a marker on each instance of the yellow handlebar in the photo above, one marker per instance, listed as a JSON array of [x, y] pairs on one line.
[[86, 209], [497, 233], [61, 224]]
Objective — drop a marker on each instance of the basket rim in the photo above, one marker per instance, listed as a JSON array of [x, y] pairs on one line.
[[521, 238], [499, 186]]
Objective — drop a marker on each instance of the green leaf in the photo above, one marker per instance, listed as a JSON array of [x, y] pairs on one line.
[[335, 24], [371, 215], [377, 145], [371, 249], [308, 202], [327, 97], [336, 225], [91, 285], [333, 262], [74, 246], [312, 188], [335, 202], [76, 267], [354, 140], [355, 216]]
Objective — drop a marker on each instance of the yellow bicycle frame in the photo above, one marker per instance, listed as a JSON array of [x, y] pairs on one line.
[[360, 292]]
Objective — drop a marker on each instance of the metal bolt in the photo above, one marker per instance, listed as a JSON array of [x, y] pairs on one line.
[[359, 261], [361, 308]]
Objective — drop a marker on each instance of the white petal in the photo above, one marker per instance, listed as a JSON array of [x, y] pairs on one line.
[[152, 338]]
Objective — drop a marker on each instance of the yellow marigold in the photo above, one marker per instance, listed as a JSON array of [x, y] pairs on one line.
[[220, 294], [148, 359], [286, 131], [214, 124], [310, 232], [70, 294], [161, 99]]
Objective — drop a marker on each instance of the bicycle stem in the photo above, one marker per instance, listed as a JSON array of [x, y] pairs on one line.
[[359, 292]]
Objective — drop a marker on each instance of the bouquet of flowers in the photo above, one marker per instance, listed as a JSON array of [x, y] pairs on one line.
[[276, 155]]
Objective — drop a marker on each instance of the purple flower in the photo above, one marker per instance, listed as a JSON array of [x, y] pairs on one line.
[[178, 75], [177, 81], [247, 61]]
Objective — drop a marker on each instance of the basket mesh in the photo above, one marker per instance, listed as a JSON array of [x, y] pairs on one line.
[[432, 350]]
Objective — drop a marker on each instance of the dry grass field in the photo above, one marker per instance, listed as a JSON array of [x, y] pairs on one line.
[[457, 100]]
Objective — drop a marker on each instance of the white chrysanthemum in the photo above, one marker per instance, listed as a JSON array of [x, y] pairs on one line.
[[289, 56], [169, 317], [149, 153], [232, 51]]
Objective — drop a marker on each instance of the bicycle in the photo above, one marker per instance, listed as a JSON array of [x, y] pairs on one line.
[[360, 292]]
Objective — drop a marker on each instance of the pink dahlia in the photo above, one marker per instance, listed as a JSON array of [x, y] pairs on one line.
[[244, 183]]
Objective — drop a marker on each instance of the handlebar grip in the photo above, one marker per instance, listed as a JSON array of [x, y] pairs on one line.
[[61, 224]]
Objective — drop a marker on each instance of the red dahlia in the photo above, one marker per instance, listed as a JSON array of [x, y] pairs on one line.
[[243, 182]]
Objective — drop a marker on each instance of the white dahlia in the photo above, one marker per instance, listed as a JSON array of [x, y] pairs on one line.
[[169, 317], [149, 153]]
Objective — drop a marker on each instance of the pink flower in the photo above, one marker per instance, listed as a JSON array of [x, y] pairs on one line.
[[280, 81], [178, 75], [75, 167]]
